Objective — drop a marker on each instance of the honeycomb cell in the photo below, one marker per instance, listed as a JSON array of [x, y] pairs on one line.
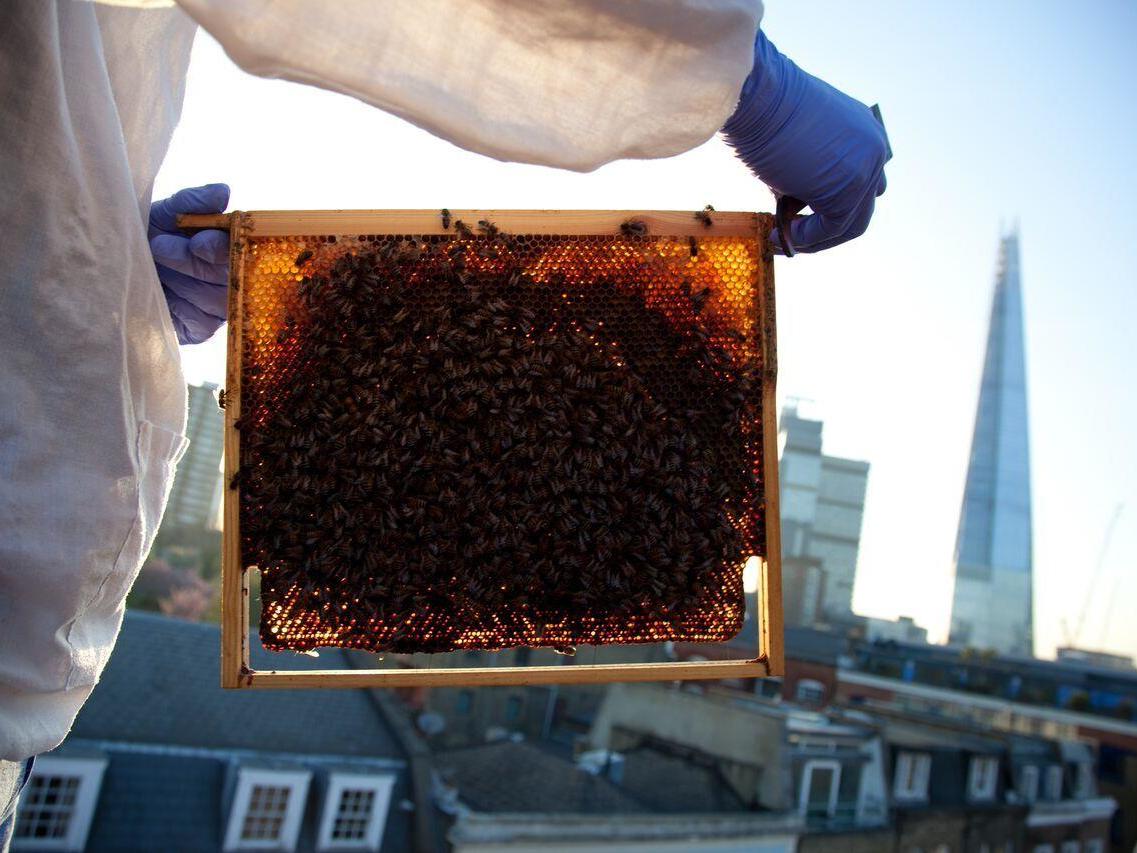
[[496, 440]]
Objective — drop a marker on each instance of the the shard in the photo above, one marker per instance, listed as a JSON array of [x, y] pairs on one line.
[[992, 607]]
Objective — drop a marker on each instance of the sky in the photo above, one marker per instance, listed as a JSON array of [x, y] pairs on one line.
[[998, 113]]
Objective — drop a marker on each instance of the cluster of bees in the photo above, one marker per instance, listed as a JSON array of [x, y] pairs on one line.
[[467, 456]]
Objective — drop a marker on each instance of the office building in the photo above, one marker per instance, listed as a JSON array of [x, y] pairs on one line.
[[823, 500], [195, 498], [991, 607]]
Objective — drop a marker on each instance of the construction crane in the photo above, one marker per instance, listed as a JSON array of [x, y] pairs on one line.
[[1072, 637]]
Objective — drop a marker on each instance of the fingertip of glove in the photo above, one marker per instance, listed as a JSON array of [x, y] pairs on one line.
[[211, 245], [208, 198]]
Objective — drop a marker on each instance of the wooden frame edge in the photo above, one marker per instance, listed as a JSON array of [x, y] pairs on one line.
[[236, 669], [505, 675], [771, 618], [287, 223], [234, 579]]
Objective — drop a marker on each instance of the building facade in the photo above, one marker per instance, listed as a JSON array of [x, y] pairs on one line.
[[161, 759], [195, 497], [822, 502], [992, 604]]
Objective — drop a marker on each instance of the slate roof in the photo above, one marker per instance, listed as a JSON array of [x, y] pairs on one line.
[[162, 686], [159, 802], [814, 645], [173, 740], [521, 777], [912, 734], [811, 644], [670, 784]]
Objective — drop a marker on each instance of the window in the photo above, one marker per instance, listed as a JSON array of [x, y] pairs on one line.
[[513, 709], [1095, 845], [267, 808], [58, 803], [1071, 847], [1028, 783], [912, 769], [1043, 848], [982, 775], [464, 703], [1054, 782], [819, 783], [355, 811], [942, 848], [810, 692]]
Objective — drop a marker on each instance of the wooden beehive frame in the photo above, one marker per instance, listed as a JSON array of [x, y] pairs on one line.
[[236, 670]]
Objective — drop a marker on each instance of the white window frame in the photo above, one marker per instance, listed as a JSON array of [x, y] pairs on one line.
[[296, 781], [1052, 785], [1028, 782], [89, 772], [920, 765], [982, 778], [807, 784], [1084, 781], [381, 785]]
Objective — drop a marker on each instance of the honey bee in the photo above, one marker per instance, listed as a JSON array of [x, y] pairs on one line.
[[488, 228], [221, 399], [704, 216], [304, 257], [699, 299], [445, 214], [694, 246], [633, 228], [462, 228]]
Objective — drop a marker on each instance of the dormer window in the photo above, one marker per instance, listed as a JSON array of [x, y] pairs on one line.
[[355, 811], [58, 803], [820, 782], [982, 775], [267, 808], [912, 771]]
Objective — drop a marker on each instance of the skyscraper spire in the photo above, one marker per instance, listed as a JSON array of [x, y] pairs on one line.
[[992, 606]]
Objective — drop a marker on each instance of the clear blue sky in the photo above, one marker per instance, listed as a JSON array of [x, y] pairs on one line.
[[997, 112]]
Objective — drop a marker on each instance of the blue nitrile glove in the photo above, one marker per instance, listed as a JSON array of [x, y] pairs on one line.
[[194, 271], [805, 139]]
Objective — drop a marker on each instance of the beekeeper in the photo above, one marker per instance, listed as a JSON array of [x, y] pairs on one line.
[[98, 286]]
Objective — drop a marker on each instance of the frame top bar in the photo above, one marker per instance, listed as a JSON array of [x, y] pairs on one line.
[[286, 223]]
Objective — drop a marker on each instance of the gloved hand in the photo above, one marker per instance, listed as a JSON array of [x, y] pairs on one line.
[[805, 139], [194, 271]]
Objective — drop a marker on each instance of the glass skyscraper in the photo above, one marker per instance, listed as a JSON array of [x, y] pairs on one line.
[[992, 606]]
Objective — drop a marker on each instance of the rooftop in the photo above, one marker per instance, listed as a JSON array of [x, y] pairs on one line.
[[162, 686]]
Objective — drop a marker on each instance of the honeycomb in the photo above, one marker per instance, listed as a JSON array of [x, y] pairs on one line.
[[482, 440]]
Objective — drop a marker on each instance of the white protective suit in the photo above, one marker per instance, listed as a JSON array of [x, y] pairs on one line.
[[92, 400]]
